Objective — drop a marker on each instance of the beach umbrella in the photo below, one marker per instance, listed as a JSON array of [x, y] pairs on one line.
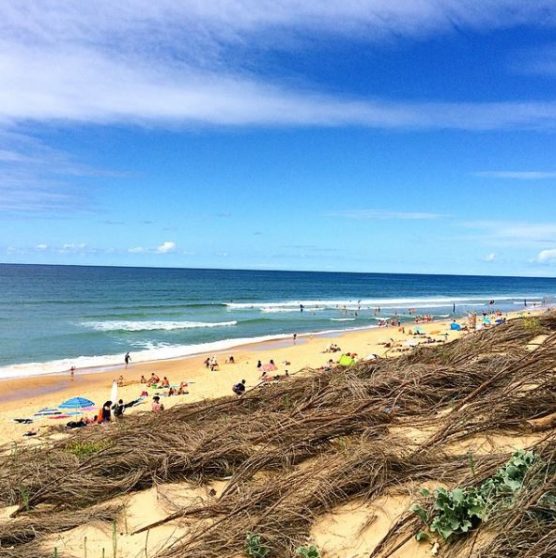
[[77, 403]]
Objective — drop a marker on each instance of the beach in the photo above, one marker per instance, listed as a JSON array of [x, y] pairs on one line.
[[363, 438], [22, 397]]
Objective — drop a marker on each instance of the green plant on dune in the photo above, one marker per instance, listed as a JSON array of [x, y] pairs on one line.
[[307, 551], [461, 509], [532, 324], [85, 449], [254, 546]]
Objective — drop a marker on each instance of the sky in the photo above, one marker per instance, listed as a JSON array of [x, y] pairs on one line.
[[413, 136]]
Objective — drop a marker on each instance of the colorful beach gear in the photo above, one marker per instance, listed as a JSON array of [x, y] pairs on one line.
[[77, 403], [346, 360]]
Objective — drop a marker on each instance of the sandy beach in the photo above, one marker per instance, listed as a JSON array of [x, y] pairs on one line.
[[21, 398]]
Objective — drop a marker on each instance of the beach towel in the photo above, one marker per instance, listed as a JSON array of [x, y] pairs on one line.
[[346, 360]]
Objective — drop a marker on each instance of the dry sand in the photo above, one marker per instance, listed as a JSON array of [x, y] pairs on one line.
[[21, 398], [349, 531]]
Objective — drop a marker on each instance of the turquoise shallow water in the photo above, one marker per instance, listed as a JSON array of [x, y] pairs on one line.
[[53, 317]]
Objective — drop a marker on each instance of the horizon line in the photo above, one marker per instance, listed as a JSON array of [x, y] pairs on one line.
[[282, 270]]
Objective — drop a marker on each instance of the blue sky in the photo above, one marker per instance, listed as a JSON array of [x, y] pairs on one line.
[[409, 136]]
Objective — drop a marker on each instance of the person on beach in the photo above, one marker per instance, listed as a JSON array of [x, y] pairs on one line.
[[165, 382], [183, 389], [259, 364], [106, 412], [153, 380], [239, 388], [72, 372], [294, 338], [127, 359], [120, 381], [230, 360], [118, 408], [157, 406], [143, 380]]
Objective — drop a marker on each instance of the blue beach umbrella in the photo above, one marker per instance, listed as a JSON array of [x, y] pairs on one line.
[[77, 403]]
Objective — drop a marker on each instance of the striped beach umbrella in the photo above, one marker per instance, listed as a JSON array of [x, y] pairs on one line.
[[77, 403]]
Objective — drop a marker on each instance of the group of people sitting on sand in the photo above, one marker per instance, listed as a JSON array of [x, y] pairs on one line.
[[332, 348], [211, 363]]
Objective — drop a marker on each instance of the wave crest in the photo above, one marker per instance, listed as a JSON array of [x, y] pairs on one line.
[[123, 325]]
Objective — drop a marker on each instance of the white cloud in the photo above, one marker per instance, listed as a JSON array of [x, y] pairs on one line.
[[378, 214], [168, 62], [165, 247], [546, 256], [136, 250], [518, 175], [509, 232], [490, 257], [73, 248], [41, 247]]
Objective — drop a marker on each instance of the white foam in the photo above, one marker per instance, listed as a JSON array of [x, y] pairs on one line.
[[371, 303], [153, 325], [342, 319], [160, 351]]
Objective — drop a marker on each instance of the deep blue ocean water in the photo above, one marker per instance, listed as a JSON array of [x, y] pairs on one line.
[[53, 317]]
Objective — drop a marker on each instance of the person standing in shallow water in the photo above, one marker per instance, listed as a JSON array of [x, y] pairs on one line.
[[127, 359]]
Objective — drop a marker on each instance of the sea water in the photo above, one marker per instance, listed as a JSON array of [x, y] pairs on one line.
[[55, 317]]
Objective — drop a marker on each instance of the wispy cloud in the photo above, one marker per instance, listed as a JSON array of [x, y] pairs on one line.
[[489, 257], [379, 214], [35, 178], [518, 175], [170, 62], [514, 233]]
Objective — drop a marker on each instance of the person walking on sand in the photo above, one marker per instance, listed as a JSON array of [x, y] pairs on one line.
[[127, 359], [294, 338]]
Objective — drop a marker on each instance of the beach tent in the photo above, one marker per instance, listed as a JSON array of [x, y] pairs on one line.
[[455, 327], [77, 403], [346, 360]]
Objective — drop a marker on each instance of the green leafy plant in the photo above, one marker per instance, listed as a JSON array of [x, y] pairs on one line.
[[307, 551], [84, 450], [461, 509], [508, 480], [454, 511], [532, 324], [254, 546]]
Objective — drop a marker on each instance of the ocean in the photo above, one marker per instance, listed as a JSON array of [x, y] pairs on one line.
[[55, 317]]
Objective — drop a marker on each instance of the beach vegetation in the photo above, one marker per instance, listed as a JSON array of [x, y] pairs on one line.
[[254, 546], [533, 325], [296, 452], [457, 511], [307, 551], [84, 449]]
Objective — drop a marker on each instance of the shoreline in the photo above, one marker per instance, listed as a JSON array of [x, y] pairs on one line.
[[238, 344], [22, 397]]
